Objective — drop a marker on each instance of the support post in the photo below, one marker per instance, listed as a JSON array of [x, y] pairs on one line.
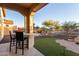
[[29, 28]]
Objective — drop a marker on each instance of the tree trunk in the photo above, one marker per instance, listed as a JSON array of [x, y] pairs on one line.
[[67, 35]]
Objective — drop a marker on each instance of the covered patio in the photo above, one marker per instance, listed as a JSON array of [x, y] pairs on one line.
[[27, 10], [4, 51]]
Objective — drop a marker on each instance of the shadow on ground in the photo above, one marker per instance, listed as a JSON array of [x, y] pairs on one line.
[[6, 39]]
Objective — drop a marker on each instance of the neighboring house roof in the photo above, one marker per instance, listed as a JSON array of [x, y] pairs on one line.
[[8, 22]]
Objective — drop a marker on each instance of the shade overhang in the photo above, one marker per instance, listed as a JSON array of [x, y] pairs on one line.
[[23, 7]]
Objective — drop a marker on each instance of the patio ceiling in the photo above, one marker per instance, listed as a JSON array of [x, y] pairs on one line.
[[23, 7]]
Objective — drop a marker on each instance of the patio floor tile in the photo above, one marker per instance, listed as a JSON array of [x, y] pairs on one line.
[[4, 51]]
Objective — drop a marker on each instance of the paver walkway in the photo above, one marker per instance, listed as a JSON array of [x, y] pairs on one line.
[[69, 45]]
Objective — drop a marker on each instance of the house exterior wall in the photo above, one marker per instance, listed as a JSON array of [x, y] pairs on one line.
[[1, 24]]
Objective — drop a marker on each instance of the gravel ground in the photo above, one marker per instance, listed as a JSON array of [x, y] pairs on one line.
[[6, 39]]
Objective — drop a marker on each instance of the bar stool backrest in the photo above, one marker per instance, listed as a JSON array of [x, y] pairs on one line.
[[19, 36]]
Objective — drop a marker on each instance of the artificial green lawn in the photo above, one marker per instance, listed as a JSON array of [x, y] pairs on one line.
[[49, 47]]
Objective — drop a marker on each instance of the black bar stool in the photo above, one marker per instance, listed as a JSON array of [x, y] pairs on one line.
[[20, 41], [12, 40]]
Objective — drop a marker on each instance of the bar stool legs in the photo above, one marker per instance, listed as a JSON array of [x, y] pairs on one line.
[[10, 46], [20, 46]]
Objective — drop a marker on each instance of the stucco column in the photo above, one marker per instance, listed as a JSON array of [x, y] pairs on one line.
[[2, 17], [29, 29], [25, 23]]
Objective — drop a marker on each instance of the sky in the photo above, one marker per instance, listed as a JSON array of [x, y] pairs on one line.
[[55, 11], [17, 18]]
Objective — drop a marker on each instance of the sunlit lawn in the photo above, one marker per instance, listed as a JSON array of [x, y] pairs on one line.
[[49, 47]]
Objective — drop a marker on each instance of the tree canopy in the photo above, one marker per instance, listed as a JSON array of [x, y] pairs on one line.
[[69, 25], [50, 23]]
